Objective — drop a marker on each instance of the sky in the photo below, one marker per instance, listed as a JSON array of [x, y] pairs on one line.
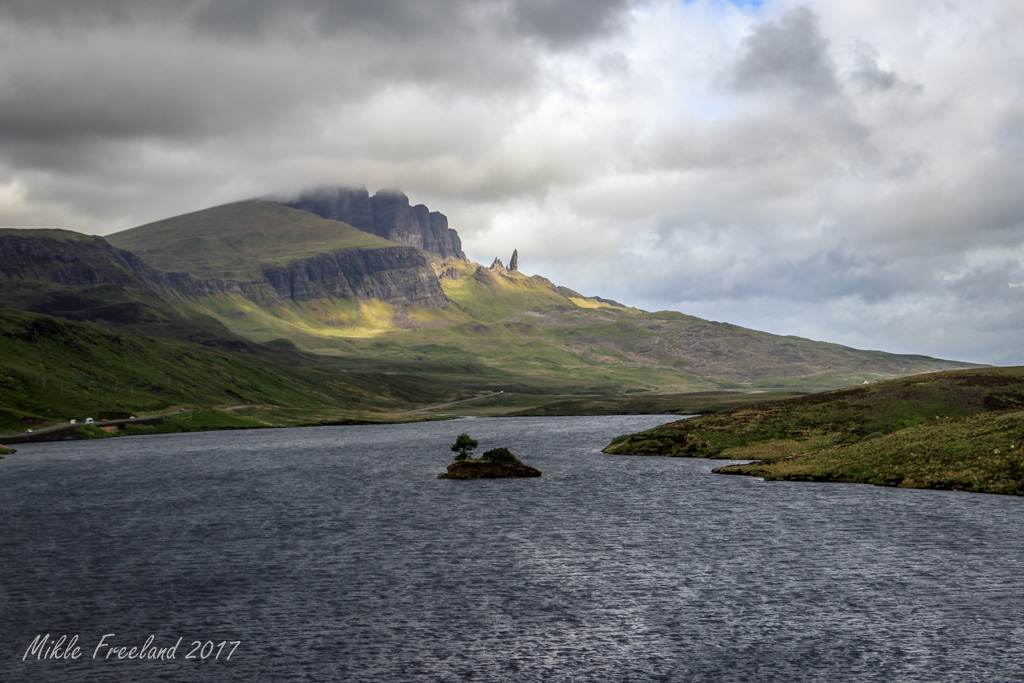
[[848, 172]]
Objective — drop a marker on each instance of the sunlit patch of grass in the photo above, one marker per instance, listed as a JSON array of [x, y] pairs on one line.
[[594, 302]]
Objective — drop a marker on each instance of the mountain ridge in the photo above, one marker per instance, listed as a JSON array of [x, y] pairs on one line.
[[265, 272]]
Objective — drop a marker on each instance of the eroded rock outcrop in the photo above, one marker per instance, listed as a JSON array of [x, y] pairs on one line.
[[398, 275], [386, 214]]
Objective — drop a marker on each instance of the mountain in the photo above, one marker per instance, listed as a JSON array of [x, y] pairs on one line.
[[273, 255], [260, 276]]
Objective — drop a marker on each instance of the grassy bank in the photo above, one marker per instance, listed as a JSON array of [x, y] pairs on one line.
[[959, 430], [53, 370]]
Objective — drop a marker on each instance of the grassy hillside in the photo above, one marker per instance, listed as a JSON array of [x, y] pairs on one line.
[[525, 331], [983, 453], [52, 370], [526, 325], [961, 430], [499, 324], [496, 330], [233, 241]]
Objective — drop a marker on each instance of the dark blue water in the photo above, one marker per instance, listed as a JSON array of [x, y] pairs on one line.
[[335, 554]]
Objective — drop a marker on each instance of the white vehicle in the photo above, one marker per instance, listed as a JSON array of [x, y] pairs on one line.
[[89, 420], [74, 421]]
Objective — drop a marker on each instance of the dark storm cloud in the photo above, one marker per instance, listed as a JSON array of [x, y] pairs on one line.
[[567, 22], [789, 53], [555, 22], [78, 73]]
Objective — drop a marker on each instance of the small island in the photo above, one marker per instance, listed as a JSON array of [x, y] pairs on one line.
[[497, 463]]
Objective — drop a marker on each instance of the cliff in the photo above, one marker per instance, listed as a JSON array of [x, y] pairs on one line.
[[81, 277], [398, 275], [386, 214]]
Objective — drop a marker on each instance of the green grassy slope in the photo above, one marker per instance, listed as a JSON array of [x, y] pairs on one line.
[[52, 370], [500, 331], [525, 332], [233, 241], [499, 323], [960, 430], [527, 326], [982, 453]]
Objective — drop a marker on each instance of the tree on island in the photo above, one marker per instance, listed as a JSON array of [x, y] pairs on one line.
[[463, 445]]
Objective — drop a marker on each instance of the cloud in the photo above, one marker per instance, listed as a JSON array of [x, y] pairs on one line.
[[788, 53], [848, 172]]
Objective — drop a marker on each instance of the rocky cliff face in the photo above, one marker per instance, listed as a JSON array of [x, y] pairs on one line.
[[398, 275], [85, 278], [386, 214]]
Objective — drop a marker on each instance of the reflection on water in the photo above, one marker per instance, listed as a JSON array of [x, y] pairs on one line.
[[334, 553]]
